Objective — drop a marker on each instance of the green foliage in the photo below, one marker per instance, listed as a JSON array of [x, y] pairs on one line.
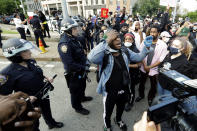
[[192, 16], [8, 7], [147, 7]]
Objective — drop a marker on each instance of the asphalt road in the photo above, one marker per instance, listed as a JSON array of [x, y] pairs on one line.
[[62, 110]]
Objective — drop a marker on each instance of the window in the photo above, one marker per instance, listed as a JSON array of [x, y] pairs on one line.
[[86, 2], [96, 2], [124, 2], [92, 2], [118, 2], [103, 2], [111, 2]]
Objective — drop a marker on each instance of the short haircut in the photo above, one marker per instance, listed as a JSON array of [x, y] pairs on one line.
[[156, 27]]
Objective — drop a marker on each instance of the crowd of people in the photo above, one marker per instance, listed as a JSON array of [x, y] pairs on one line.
[[126, 49]]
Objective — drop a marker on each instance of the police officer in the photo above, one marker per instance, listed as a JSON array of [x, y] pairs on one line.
[[23, 74], [35, 22], [75, 64]]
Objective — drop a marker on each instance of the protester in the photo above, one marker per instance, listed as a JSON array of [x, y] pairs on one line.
[[115, 86], [0, 37], [176, 59], [20, 25], [149, 68], [129, 42], [12, 107], [165, 37], [139, 35], [45, 27], [123, 30]]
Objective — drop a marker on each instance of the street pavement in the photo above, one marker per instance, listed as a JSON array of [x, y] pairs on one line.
[[62, 110]]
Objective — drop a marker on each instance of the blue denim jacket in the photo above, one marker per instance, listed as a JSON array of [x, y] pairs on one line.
[[96, 56]]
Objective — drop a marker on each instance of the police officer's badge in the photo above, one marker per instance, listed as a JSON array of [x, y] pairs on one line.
[[3, 80], [64, 48]]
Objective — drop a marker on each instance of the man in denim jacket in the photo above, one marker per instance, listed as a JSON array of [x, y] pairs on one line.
[[111, 84]]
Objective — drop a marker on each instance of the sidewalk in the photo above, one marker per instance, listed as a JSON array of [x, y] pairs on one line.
[[54, 35], [51, 55]]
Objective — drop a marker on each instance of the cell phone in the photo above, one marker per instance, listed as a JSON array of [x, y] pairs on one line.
[[163, 111]]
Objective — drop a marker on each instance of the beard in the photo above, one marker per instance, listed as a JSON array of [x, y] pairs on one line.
[[136, 29], [155, 37]]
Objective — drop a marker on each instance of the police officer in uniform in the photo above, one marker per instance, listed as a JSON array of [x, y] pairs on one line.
[[75, 64], [35, 22], [23, 74]]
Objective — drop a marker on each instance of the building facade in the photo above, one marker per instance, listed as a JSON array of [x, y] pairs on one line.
[[92, 7], [80, 7], [33, 5], [74, 6], [116, 5]]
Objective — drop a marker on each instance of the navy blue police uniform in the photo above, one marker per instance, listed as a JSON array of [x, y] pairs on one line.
[[74, 59], [28, 80]]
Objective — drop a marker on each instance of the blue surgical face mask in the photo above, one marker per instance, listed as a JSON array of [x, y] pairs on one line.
[[173, 51]]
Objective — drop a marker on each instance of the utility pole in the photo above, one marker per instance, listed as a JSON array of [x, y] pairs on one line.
[[64, 9], [131, 7], [22, 6], [66, 17], [174, 14], [16, 4]]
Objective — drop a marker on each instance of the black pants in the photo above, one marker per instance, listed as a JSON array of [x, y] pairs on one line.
[[153, 81], [131, 94], [46, 29], [109, 101], [46, 112], [38, 34], [22, 32], [0, 41], [77, 86]]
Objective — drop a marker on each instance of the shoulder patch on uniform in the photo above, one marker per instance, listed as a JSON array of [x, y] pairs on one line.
[[3, 79], [64, 48]]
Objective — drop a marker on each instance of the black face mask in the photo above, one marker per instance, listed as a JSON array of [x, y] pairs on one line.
[[173, 51], [124, 32]]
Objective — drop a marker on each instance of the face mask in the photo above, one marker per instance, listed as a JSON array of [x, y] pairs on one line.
[[173, 51], [105, 31], [124, 32], [195, 28], [128, 44], [166, 40], [112, 50], [173, 30]]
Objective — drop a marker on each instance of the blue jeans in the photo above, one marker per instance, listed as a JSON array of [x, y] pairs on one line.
[[90, 43]]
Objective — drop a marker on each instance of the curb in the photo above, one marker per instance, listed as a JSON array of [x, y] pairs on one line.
[[92, 68], [33, 39], [40, 59]]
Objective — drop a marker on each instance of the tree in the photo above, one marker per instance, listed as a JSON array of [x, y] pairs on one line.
[[8, 7], [192, 16], [147, 7]]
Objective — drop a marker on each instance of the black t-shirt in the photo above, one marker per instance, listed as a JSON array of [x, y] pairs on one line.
[[115, 82], [177, 64]]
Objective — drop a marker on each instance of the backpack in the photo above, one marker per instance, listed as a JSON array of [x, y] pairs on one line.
[[105, 62]]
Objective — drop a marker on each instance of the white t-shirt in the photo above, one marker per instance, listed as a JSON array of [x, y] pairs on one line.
[[18, 23], [137, 38]]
